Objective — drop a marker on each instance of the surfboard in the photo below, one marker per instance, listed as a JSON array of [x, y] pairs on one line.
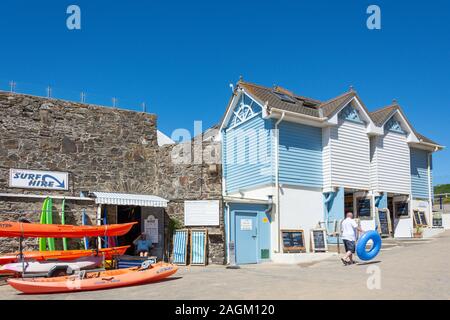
[[105, 222], [84, 222], [63, 221], [43, 219], [49, 220]]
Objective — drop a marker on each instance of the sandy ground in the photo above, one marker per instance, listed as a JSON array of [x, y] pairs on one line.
[[413, 271]]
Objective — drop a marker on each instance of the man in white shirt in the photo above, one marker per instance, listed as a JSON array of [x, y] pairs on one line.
[[349, 228]]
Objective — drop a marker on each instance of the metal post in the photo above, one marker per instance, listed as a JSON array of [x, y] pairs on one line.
[[49, 92], [83, 97], [114, 102], [144, 107], [12, 86]]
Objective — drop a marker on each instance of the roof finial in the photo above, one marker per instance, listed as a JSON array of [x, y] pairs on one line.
[[394, 101], [351, 88], [241, 78]]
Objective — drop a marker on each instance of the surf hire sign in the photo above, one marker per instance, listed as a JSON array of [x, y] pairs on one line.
[[37, 179]]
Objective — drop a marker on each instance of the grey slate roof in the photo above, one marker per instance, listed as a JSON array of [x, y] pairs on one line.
[[302, 105], [315, 108]]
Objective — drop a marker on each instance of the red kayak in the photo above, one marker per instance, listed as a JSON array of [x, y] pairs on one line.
[[95, 280], [36, 230], [62, 255]]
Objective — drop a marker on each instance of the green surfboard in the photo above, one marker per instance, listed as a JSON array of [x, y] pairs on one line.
[[49, 220], [43, 220], [63, 221]]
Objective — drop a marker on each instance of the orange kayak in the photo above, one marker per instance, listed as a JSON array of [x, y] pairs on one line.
[[62, 255], [95, 280], [36, 230]]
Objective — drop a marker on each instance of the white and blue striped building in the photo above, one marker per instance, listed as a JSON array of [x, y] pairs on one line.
[[291, 162]]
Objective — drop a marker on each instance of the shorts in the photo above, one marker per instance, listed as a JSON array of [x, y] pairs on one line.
[[142, 251], [349, 246]]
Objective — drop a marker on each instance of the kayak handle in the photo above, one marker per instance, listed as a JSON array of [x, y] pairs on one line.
[[108, 279]]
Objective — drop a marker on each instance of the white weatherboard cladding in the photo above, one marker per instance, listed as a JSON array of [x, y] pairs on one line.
[[392, 164], [347, 156], [201, 213], [301, 208]]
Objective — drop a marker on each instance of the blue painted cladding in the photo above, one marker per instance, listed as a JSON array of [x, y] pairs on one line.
[[248, 155], [300, 152], [419, 173]]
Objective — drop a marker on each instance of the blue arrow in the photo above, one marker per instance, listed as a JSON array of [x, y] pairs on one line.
[[60, 183]]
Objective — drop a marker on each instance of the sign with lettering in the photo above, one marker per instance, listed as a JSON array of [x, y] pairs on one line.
[[246, 224], [364, 208], [384, 222], [319, 240], [37, 179], [151, 228], [293, 241]]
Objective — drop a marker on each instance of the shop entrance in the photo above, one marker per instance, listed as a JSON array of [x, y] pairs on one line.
[[246, 237], [129, 214]]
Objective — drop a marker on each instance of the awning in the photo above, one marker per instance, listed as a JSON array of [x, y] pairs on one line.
[[129, 199]]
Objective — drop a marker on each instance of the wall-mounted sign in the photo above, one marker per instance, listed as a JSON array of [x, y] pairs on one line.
[[246, 224], [37, 179], [151, 228], [201, 213]]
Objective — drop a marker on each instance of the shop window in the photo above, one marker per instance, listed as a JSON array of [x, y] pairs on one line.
[[402, 209], [364, 208]]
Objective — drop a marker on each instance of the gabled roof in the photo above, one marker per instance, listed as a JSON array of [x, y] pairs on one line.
[[305, 106], [382, 115]]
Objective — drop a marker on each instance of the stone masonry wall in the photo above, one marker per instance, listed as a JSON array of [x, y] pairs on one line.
[[103, 149]]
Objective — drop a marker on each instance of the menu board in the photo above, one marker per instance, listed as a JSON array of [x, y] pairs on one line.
[[383, 219], [401, 209], [319, 240], [417, 218], [364, 208], [293, 240], [423, 218]]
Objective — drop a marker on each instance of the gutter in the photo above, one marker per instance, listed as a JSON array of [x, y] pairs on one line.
[[277, 180], [295, 114]]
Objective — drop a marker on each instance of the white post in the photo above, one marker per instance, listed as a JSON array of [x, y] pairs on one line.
[[99, 222], [430, 192]]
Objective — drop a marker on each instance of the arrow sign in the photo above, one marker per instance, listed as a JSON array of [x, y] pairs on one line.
[[60, 183]]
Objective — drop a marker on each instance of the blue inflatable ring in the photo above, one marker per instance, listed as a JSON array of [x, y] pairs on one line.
[[362, 242]]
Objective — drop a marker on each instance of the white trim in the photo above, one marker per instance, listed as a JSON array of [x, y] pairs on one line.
[[277, 180], [237, 96], [129, 199]]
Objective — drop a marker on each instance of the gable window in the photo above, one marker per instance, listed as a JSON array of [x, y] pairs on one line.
[[351, 114], [244, 110], [394, 126]]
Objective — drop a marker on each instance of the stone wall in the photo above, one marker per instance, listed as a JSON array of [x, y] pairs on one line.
[[103, 149]]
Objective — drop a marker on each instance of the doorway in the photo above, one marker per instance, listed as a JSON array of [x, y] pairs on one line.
[[246, 231], [129, 214]]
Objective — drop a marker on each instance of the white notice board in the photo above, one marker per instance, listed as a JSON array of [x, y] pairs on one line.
[[201, 213]]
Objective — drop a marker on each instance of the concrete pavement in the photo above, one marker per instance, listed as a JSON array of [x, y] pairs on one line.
[[418, 270]]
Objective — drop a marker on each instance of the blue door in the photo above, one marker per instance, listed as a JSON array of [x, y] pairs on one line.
[[246, 237]]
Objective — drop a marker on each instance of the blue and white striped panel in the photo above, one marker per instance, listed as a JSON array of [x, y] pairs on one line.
[[179, 247], [198, 238]]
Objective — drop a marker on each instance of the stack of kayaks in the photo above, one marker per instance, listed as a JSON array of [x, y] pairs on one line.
[[95, 280]]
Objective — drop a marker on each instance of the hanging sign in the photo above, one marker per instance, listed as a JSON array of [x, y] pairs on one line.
[[37, 179]]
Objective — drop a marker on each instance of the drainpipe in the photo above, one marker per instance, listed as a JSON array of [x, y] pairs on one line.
[[430, 191], [328, 199], [228, 231], [277, 180]]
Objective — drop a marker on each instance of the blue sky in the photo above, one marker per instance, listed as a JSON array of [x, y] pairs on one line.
[[180, 56]]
